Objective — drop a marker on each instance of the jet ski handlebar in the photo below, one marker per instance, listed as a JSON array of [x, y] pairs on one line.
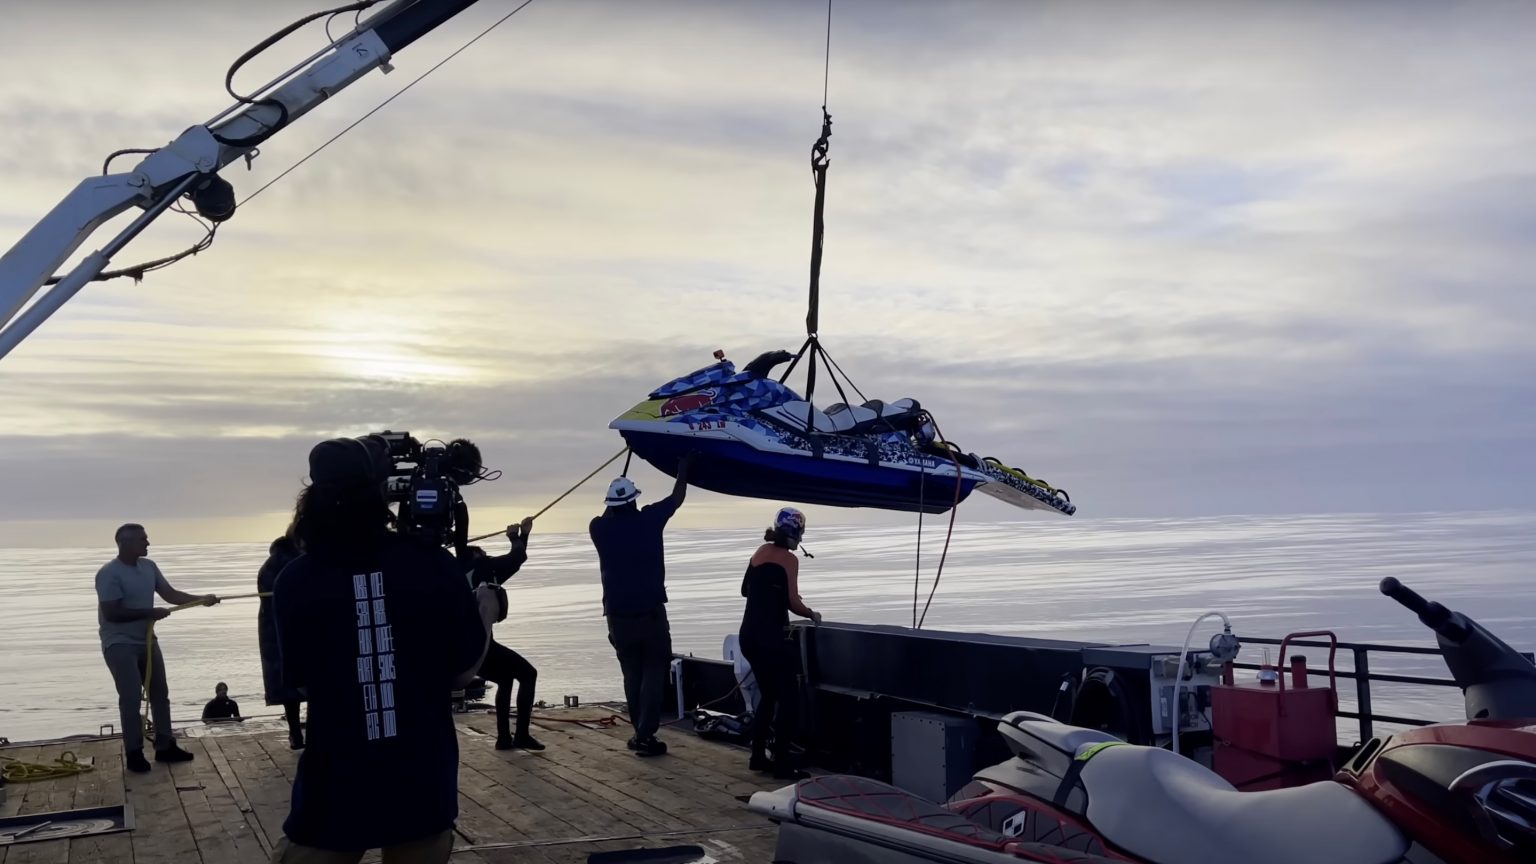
[[1499, 682], [1436, 617]]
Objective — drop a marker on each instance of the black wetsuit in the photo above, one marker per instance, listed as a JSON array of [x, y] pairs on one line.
[[765, 641], [502, 665]]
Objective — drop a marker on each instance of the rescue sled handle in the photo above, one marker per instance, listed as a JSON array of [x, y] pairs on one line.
[[190, 164]]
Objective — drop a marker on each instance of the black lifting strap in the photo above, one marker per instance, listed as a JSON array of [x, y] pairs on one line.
[[819, 162]]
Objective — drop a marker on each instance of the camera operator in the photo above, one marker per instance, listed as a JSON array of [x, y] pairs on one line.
[[378, 630], [503, 665]]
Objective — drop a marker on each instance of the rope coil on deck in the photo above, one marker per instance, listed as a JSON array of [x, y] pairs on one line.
[[67, 765]]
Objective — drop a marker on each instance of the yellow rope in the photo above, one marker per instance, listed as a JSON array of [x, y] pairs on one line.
[[149, 650], [17, 771]]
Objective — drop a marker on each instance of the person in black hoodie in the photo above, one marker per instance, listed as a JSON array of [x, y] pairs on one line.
[[283, 550], [378, 628]]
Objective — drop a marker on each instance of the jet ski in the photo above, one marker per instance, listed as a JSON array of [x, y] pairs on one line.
[[754, 437], [1450, 793]]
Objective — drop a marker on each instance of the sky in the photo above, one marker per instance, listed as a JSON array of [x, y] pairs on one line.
[[1179, 259]]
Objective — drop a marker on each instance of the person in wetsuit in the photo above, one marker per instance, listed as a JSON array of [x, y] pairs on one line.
[[221, 707], [772, 588], [503, 665]]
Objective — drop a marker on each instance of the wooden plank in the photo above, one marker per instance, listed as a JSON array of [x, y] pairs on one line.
[[586, 812], [219, 761], [737, 846], [219, 828], [596, 766], [638, 810], [726, 758], [651, 781], [524, 817], [99, 788], [284, 757], [642, 815], [525, 855], [705, 761], [262, 783], [686, 791], [478, 826], [45, 796], [16, 793], [161, 833], [728, 761]]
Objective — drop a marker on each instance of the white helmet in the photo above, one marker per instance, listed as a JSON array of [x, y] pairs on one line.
[[621, 491]]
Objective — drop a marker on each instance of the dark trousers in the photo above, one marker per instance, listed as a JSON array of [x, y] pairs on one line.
[[774, 663], [291, 714], [127, 664], [504, 666], [643, 643]]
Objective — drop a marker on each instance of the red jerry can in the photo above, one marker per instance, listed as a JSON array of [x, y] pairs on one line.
[[1270, 735]]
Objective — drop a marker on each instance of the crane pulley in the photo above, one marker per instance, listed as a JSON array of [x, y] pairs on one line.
[[189, 165]]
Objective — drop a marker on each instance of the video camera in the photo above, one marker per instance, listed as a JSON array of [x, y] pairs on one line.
[[424, 480]]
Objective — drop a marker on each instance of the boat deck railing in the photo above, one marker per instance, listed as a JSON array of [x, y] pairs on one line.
[[1362, 675]]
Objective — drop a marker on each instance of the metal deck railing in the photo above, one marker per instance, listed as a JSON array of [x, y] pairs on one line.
[[1362, 675]]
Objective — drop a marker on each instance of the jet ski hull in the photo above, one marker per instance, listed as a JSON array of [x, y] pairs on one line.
[[731, 467]]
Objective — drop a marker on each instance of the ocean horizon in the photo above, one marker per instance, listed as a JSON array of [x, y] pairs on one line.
[[1120, 580]]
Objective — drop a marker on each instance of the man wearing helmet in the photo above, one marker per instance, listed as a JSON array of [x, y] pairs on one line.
[[632, 559]]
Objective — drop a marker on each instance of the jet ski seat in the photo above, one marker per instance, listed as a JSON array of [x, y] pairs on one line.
[[792, 414], [1047, 742], [874, 415], [852, 806], [1163, 807]]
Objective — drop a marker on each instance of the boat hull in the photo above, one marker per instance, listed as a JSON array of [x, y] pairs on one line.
[[730, 467]]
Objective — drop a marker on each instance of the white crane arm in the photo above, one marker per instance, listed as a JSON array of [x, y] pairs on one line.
[[189, 165]]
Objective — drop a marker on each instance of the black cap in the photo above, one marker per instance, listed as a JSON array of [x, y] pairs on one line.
[[342, 460]]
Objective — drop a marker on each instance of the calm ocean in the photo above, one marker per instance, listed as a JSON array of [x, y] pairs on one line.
[[1111, 580]]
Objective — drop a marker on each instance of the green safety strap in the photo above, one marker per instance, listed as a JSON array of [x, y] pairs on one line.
[[1069, 781]]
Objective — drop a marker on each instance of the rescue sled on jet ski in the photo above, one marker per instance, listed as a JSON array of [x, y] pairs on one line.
[[755, 437]]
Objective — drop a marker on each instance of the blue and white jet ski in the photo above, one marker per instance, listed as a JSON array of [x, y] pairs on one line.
[[757, 438]]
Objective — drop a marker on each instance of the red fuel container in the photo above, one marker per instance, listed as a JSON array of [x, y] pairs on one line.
[[1289, 730]]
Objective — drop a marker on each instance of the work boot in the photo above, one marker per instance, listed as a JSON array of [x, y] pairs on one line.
[[172, 754], [650, 747], [136, 762]]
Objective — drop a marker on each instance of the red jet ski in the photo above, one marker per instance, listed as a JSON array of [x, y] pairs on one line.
[[1462, 793]]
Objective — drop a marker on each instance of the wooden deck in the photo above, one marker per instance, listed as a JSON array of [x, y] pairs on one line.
[[587, 793]]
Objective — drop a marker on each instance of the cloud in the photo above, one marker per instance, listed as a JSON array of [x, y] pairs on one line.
[[1213, 259]]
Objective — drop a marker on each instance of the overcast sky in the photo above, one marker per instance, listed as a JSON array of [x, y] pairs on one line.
[[1191, 258]]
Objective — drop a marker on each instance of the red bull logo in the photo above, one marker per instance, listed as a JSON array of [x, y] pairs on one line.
[[687, 402]]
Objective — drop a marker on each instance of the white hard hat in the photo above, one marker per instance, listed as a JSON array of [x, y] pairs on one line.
[[621, 491]]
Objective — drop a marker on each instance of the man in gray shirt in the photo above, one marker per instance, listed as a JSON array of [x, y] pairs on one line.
[[125, 590]]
